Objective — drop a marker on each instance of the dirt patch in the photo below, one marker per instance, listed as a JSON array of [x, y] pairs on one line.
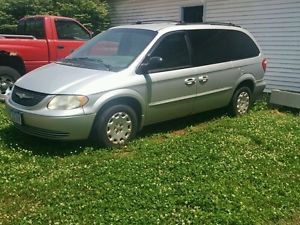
[[123, 154], [18, 205], [178, 133]]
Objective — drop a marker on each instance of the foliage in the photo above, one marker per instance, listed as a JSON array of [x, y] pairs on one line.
[[206, 169], [92, 13]]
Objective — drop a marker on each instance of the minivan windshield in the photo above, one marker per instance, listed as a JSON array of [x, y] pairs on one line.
[[112, 50]]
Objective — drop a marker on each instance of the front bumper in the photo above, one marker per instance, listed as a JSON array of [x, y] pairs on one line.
[[77, 127]]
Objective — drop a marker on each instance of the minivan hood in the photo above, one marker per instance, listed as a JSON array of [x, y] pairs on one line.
[[62, 79]]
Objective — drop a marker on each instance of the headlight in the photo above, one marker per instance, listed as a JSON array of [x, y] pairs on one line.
[[65, 102]]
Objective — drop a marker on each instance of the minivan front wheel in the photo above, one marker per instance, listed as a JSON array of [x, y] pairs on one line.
[[241, 101], [116, 125]]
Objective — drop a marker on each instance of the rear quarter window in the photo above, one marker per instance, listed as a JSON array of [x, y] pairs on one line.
[[32, 26], [242, 46], [217, 45]]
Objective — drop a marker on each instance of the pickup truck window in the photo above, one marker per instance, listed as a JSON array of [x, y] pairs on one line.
[[34, 27], [70, 30]]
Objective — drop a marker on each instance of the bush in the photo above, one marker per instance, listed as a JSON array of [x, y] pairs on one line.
[[91, 13], [8, 29]]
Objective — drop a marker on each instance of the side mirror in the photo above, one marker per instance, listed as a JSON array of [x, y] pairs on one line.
[[152, 63]]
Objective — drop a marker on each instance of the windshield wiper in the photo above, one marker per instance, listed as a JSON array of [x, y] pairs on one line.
[[107, 66]]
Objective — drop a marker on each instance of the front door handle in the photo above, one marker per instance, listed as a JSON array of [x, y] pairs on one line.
[[190, 81], [203, 79], [60, 46]]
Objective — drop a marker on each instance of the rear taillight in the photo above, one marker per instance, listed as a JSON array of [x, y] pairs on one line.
[[264, 64]]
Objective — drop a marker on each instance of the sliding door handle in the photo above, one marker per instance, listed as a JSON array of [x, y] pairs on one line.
[[203, 79], [190, 81]]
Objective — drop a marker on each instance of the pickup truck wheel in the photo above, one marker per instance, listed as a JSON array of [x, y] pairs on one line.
[[8, 76], [115, 126], [241, 101]]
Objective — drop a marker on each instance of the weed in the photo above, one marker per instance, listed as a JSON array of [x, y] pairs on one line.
[[206, 169]]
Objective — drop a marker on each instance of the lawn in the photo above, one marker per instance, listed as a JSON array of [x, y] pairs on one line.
[[206, 169]]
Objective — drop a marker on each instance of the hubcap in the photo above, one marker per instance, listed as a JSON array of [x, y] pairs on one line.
[[119, 128], [6, 84], [243, 102]]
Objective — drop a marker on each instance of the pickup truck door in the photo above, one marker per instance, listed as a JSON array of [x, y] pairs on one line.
[[70, 35]]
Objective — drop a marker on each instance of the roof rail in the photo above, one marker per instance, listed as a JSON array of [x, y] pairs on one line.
[[212, 23], [154, 21], [186, 23]]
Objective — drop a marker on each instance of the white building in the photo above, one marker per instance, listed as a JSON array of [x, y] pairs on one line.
[[274, 23]]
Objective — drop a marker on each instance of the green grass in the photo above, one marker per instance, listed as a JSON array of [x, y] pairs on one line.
[[206, 169]]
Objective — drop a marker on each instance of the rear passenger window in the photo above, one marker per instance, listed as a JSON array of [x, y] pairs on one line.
[[209, 47], [217, 46], [39, 29], [174, 52], [34, 27]]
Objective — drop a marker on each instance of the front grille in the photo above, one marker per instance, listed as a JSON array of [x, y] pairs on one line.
[[27, 97], [43, 133]]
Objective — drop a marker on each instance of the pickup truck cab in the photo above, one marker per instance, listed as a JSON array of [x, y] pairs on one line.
[[40, 40]]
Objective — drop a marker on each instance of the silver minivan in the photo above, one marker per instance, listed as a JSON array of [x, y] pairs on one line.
[[135, 75]]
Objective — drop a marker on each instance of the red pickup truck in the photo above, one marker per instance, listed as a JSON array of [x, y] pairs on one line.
[[40, 40]]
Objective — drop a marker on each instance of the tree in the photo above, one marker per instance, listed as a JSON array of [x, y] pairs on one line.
[[92, 13]]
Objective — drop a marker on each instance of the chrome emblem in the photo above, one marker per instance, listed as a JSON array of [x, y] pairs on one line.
[[23, 95]]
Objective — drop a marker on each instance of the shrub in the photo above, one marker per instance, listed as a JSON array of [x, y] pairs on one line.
[[91, 13]]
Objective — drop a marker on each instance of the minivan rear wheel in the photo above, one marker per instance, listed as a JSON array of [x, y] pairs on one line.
[[115, 126], [241, 101]]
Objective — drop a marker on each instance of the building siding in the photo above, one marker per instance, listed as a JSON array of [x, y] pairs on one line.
[[129, 11], [276, 26], [274, 23]]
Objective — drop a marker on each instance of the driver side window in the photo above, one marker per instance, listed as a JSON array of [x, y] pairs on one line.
[[174, 52], [70, 30]]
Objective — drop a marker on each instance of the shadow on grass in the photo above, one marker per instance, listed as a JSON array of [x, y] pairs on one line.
[[284, 109], [16, 140], [182, 123]]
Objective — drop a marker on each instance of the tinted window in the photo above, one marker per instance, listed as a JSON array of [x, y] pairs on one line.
[[39, 29], [174, 52], [209, 47], [242, 46], [70, 30], [21, 27], [217, 46], [34, 27]]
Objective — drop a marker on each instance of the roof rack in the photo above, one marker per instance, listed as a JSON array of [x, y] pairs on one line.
[[154, 21], [186, 23], [211, 23]]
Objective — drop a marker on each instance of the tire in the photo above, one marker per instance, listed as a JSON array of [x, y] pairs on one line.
[[8, 76], [115, 126], [241, 101]]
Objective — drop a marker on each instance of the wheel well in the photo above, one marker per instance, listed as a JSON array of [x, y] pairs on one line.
[[133, 103], [13, 61], [247, 83]]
